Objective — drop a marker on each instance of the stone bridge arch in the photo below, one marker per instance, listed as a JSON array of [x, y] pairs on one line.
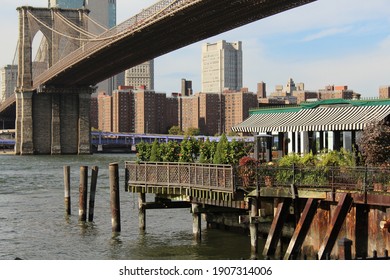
[[54, 120]]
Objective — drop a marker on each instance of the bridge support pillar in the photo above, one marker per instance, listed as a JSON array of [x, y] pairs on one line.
[[56, 121], [24, 119], [84, 126]]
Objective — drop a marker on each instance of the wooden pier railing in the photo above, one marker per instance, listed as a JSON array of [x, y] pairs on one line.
[[198, 180]]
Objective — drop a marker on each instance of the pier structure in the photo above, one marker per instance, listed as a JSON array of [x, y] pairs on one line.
[[343, 213]]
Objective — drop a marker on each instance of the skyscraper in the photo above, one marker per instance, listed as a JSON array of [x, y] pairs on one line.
[[66, 4], [8, 79], [221, 66], [141, 75]]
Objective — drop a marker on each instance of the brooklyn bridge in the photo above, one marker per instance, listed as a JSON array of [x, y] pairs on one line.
[[51, 105]]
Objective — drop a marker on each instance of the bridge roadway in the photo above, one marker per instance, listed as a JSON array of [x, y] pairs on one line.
[[183, 22]]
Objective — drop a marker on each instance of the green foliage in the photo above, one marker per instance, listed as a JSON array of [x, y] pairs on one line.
[[143, 151], [206, 151], [189, 151], [155, 152], [192, 131], [236, 150], [221, 153], [337, 158], [175, 130], [170, 151]]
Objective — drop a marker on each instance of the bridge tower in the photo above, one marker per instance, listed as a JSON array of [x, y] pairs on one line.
[[50, 119]]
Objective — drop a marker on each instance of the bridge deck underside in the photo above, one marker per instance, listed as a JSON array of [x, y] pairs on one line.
[[197, 22]]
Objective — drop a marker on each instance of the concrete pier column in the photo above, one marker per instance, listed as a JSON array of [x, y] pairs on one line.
[[26, 140], [84, 141]]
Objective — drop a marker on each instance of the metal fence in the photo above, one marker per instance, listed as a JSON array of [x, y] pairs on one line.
[[211, 177], [334, 177], [226, 178]]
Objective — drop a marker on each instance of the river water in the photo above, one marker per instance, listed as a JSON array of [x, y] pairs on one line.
[[33, 224]]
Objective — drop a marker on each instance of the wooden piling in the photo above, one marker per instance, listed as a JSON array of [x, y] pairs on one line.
[[141, 211], [114, 197], [67, 190], [196, 222], [253, 229], [83, 193], [92, 193]]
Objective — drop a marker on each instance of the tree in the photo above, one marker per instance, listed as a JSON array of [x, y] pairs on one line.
[[189, 151], [143, 151], [170, 151], [374, 143], [236, 150], [155, 152], [220, 156], [192, 131], [175, 130], [206, 151]]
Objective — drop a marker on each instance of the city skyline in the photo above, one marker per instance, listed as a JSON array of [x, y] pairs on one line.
[[326, 42]]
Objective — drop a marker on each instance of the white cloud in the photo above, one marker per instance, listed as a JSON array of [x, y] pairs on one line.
[[327, 33]]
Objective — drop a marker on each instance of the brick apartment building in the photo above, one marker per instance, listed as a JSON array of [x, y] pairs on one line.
[[104, 112], [384, 92], [145, 111], [123, 108], [215, 113]]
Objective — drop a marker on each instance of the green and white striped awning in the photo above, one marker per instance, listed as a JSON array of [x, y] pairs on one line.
[[344, 118]]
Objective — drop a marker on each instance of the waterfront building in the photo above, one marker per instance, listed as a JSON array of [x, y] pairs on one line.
[[261, 90], [141, 75], [188, 112], [384, 92], [221, 66], [105, 112], [339, 92], [215, 113], [329, 124], [186, 87], [123, 109], [9, 77], [94, 112], [149, 111], [236, 107]]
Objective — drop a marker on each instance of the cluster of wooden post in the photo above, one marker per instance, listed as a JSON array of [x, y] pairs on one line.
[[83, 194]]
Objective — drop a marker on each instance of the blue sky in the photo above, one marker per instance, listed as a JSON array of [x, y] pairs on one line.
[[341, 42]]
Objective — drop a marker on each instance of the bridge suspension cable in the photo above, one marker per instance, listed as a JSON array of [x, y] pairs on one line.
[[96, 23], [146, 17], [74, 26]]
